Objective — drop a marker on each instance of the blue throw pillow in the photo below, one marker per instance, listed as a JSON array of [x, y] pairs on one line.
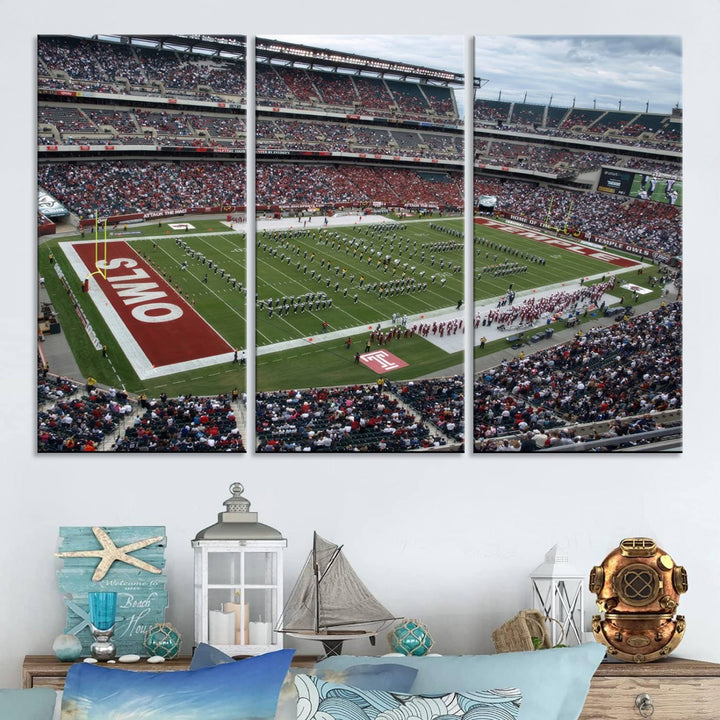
[[554, 682], [208, 656], [30, 704], [321, 700], [247, 689], [393, 677]]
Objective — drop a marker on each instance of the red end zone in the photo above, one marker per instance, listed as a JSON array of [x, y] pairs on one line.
[[560, 243], [166, 328]]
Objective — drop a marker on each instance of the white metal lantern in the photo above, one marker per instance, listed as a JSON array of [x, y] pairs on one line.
[[557, 591], [238, 581]]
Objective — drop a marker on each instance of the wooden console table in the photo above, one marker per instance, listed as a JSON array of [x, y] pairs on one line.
[[669, 689], [677, 689], [48, 671]]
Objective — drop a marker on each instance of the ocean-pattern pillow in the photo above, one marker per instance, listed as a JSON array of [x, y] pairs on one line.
[[322, 700], [554, 682], [243, 690], [390, 677]]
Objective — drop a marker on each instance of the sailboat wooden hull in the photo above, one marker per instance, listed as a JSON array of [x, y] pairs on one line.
[[331, 634], [333, 640]]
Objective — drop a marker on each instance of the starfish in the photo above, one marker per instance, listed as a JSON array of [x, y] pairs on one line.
[[82, 614], [110, 553]]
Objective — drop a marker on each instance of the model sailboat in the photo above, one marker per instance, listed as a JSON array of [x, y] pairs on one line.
[[330, 603]]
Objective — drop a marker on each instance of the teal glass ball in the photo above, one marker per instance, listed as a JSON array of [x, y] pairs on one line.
[[162, 639], [411, 638], [67, 648]]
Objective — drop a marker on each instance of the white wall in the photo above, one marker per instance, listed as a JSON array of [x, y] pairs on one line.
[[448, 539]]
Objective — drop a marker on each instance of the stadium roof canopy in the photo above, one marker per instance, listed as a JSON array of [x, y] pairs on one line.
[[232, 47], [306, 57], [300, 56]]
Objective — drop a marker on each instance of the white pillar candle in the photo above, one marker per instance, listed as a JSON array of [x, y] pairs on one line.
[[260, 633], [222, 628], [241, 621]]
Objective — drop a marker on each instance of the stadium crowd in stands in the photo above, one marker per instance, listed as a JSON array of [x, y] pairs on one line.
[[112, 67], [632, 368], [112, 187], [183, 424], [612, 127], [70, 422], [85, 125], [439, 401], [116, 187], [75, 62], [651, 225], [361, 418], [76, 419]]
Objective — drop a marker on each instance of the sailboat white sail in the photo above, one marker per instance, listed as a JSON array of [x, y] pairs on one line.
[[329, 601]]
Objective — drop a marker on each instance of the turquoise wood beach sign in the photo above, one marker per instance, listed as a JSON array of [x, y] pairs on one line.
[[127, 560]]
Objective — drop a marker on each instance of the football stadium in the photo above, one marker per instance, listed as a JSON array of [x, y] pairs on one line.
[[350, 269]]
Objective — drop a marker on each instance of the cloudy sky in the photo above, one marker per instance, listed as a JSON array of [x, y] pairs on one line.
[[444, 52], [606, 70], [629, 69]]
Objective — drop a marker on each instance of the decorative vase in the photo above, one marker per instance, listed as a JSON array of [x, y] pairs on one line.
[[102, 624], [102, 609], [411, 638], [67, 648], [162, 640]]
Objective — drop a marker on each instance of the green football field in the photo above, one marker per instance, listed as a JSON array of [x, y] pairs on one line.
[[371, 273], [522, 262], [502, 259], [353, 276], [396, 262]]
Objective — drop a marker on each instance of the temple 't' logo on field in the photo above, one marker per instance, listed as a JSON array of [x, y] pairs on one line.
[[382, 361]]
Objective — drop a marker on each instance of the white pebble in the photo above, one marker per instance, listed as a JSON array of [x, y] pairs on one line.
[[90, 661], [156, 659], [128, 658], [110, 662]]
